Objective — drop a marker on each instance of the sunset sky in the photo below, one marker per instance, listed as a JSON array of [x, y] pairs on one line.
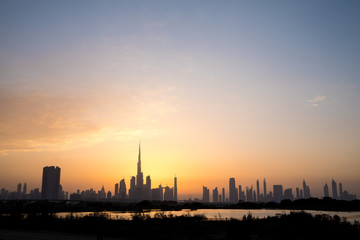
[[212, 89]]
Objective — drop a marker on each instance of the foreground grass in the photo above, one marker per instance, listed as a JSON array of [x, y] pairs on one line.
[[296, 225]]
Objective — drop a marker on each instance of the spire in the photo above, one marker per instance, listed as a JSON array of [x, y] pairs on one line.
[[139, 160], [139, 152]]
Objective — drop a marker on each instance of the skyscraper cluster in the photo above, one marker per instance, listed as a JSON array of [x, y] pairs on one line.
[[20, 193], [50, 190], [139, 191], [249, 194], [343, 195]]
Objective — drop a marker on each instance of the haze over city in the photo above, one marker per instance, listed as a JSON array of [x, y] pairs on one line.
[[214, 90]]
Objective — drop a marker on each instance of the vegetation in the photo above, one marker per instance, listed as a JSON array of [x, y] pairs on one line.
[[296, 225]]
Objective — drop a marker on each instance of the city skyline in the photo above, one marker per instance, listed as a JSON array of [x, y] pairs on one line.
[[241, 89], [138, 191]]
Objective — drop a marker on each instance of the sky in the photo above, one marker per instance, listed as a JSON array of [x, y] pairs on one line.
[[212, 89]]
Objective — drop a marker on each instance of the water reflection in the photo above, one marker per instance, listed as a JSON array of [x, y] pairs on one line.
[[218, 214]]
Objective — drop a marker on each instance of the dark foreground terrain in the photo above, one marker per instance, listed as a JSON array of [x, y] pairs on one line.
[[296, 225]]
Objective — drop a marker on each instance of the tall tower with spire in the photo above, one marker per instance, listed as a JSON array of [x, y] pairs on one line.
[[139, 176]]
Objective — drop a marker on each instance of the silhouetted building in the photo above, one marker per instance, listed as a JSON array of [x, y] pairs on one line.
[[50, 183], [241, 194], [139, 176], [132, 188], [35, 194], [341, 191], [334, 189], [297, 193], [61, 193], [161, 192], [139, 189], [175, 189], [233, 193], [102, 193], [18, 189], [147, 189], [257, 190], [348, 197], [306, 190], [265, 193], [326, 190], [116, 192], [288, 194], [25, 189], [249, 194], [122, 189], [215, 195], [206, 195], [278, 193], [75, 197], [169, 194], [157, 194], [223, 195]]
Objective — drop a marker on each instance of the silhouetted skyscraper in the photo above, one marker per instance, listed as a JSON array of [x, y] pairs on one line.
[[18, 189], [223, 195], [169, 194], [139, 176], [122, 189], [288, 194], [50, 183], [265, 193], [215, 195], [148, 188], [116, 192], [241, 194], [326, 190], [206, 195], [249, 194], [161, 189], [138, 191], [306, 190], [278, 193], [175, 189], [233, 193], [25, 189], [157, 194], [257, 190], [341, 191], [334, 189], [298, 193], [132, 188]]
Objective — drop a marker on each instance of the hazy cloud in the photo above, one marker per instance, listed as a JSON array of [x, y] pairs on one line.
[[34, 121], [316, 101], [37, 121]]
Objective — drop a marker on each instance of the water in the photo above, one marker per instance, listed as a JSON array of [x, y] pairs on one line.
[[222, 214]]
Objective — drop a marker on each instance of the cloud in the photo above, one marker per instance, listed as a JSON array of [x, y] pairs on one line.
[[46, 121], [38, 121], [316, 101]]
